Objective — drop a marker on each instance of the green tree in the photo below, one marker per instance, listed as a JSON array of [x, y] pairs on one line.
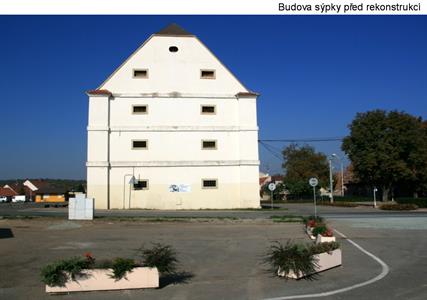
[[386, 148], [277, 193], [300, 164]]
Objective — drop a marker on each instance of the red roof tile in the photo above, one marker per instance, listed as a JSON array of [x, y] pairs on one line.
[[246, 94], [7, 192], [99, 92], [263, 180]]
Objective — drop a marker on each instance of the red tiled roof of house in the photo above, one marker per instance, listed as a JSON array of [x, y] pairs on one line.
[[7, 192], [263, 180], [246, 94], [44, 187], [99, 92], [16, 187], [275, 178]]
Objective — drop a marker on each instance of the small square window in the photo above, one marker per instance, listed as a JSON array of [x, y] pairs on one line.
[[208, 109], [141, 185], [140, 73], [140, 109], [207, 74], [142, 144], [209, 183], [208, 144]]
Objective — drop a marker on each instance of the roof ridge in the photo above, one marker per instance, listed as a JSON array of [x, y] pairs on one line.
[[173, 29]]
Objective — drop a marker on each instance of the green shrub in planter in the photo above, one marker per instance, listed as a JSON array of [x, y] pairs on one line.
[[397, 206], [317, 219], [163, 257], [288, 258], [324, 247], [320, 229], [56, 274], [53, 275], [121, 266]]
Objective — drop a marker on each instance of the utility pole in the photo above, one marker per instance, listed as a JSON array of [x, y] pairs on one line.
[[331, 180]]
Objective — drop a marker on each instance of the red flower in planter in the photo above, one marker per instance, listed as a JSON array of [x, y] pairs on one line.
[[328, 233], [89, 257], [311, 223]]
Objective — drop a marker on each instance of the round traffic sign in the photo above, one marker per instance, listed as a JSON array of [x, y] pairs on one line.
[[313, 181], [272, 186]]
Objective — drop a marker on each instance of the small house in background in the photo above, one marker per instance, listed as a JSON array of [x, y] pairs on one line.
[[42, 191], [264, 179], [7, 192]]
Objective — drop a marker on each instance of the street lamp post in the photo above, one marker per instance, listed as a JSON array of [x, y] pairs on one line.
[[331, 180]]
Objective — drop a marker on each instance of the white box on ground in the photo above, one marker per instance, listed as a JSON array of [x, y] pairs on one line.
[[80, 208]]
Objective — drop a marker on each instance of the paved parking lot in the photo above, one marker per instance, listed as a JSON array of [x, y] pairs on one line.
[[222, 256]]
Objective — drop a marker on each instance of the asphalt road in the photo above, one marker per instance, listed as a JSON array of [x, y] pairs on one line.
[[304, 209]]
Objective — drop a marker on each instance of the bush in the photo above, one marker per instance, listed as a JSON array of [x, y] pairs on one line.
[[313, 219], [397, 206], [56, 274], [163, 257], [352, 199], [289, 258], [296, 258], [324, 247], [420, 202], [121, 266], [322, 230], [338, 204]]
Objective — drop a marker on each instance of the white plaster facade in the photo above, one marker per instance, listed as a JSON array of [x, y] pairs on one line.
[[174, 128]]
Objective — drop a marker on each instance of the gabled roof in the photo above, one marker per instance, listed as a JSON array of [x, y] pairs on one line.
[[7, 192], [16, 187], [263, 180], [173, 30]]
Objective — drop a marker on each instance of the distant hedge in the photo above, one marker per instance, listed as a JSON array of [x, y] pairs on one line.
[[398, 206], [420, 202]]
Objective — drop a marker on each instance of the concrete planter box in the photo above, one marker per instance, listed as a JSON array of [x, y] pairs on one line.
[[325, 261], [100, 280], [324, 239], [309, 231]]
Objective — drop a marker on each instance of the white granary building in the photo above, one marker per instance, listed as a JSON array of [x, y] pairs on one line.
[[172, 128]]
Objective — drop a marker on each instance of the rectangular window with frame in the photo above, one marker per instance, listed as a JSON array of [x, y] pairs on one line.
[[140, 184], [208, 109], [140, 109], [209, 144], [140, 144], [207, 74], [209, 183], [140, 73]]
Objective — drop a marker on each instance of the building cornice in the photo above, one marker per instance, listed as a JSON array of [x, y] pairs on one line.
[[174, 95], [190, 163], [172, 128]]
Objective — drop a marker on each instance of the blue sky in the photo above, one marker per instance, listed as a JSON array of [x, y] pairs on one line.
[[314, 73]]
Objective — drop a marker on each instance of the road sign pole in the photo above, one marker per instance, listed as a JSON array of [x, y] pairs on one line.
[[314, 198], [272, 187], [314, 182], [271, 199]]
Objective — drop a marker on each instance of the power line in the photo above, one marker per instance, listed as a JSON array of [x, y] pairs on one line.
[[277, 153], [325, 139], [267, 147]]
